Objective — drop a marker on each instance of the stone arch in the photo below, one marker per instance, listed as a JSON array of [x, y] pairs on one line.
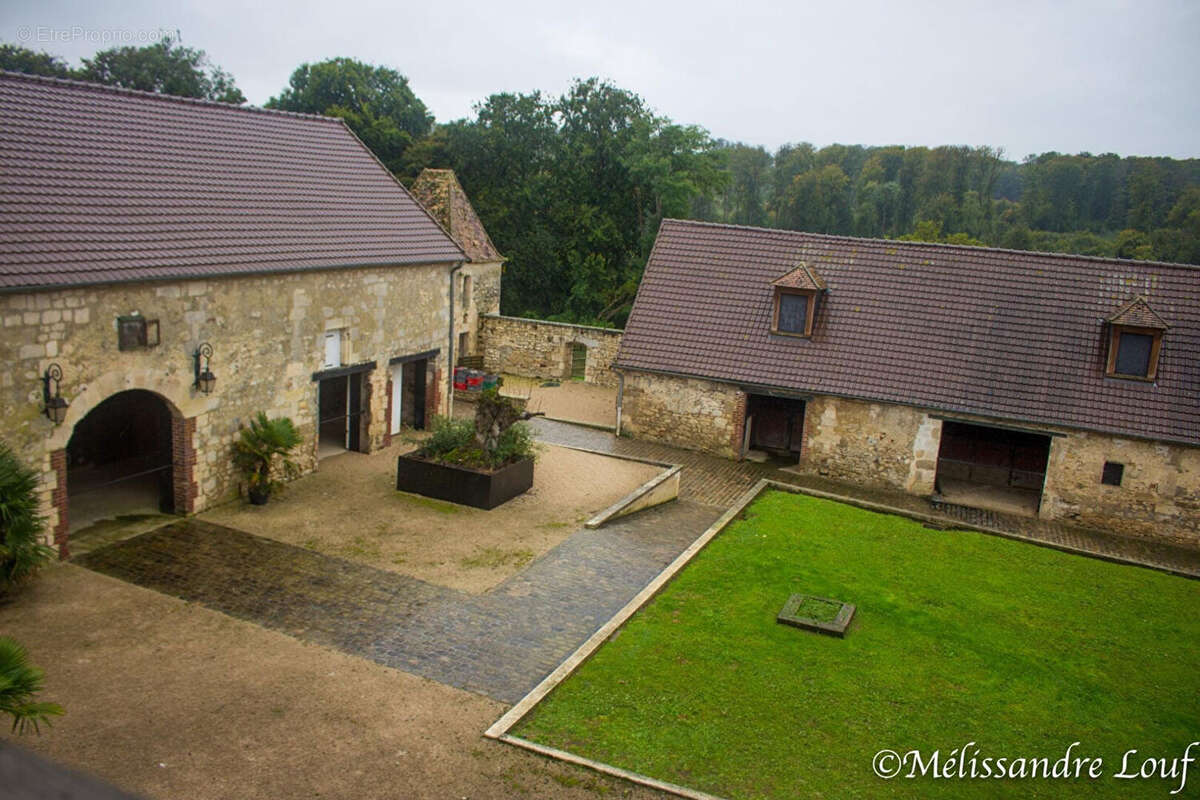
[[181, 405]]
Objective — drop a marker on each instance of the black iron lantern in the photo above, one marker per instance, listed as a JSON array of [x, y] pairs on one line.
[[55, 404], [205, 380]]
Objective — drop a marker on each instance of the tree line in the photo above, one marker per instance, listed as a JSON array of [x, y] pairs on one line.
[[572, 188]]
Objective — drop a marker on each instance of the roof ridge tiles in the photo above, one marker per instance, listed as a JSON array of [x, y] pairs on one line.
[[194, 101], [950, 247]]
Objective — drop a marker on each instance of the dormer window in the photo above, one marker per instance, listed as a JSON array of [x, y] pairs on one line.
[[1135, 340], [796, 302]]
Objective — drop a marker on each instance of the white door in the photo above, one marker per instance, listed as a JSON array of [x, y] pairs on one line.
[[397, 394]]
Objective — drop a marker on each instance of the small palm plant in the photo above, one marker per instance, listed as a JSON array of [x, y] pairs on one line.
[[21, 549], [20, 681], [263, 451]]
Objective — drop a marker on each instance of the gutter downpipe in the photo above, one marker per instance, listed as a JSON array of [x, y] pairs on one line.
[[450, 348], [620, 399]]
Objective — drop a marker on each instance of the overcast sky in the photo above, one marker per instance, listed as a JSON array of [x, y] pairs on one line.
[[1094, 75]]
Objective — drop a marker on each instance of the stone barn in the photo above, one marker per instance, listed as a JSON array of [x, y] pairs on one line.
[[1051, 385], [171, 267]]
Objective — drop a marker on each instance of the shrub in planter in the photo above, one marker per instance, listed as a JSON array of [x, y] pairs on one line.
[[494, 439], [263, 452], [481, 463], [21, 549]]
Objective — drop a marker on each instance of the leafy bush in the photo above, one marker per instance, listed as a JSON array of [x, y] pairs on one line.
[[514, 444], [19, 682], [448, 436], [21, 550]]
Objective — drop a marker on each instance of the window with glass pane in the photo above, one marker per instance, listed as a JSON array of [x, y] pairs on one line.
[[793, 313], [1133, 354]]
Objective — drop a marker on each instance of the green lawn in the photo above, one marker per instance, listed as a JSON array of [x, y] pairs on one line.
[[958, 637]]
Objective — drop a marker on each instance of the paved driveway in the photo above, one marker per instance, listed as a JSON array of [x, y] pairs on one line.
[[500, 644]]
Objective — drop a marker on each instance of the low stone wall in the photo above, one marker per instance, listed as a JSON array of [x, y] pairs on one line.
[[540, 349], [896, 447]]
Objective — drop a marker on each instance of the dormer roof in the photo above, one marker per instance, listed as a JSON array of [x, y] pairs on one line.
[[1138, 314], [802, 277]]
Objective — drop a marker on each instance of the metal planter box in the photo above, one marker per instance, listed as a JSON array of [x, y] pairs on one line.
[[468, 487]]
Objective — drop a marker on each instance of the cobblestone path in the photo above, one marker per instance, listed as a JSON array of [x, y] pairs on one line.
[[500, 644]]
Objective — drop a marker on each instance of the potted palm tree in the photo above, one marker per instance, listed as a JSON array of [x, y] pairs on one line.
[[263, 452], [20, 682]]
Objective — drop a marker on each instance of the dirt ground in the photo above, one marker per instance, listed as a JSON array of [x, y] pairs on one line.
[[573, 401], [174, 701], [350, 508]]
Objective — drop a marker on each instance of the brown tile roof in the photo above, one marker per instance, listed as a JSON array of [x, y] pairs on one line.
[[442, 195], [1137, 313], [100, 185], [1010, 335]]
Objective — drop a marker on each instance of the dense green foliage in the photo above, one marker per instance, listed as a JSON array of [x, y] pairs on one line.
[[166, 67], [376, 102], [20, 683], [14, 58], [21, 550], [572, 190], [958, 637], [1095, 205], [263, 452]]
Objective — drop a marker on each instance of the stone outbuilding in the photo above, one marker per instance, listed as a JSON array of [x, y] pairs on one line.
[[1056, 385], [151, 244], [477, 289]]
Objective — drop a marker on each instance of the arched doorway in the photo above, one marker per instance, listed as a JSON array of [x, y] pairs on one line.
[[119, 459]]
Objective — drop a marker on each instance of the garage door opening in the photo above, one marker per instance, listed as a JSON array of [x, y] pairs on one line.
[[119, 460], [992, 468], [774, 427], [340, 416]]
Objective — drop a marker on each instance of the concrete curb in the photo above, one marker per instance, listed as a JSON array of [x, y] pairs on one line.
[[662, 488], [949, 522], [499, 730]]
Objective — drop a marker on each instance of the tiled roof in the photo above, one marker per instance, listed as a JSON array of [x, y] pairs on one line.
[[442, 195], [101, 185], [1137, 313], [1009, 335], [800, 278]]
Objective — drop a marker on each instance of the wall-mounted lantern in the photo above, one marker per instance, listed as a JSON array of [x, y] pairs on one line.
[[205, 380], [55, 404]]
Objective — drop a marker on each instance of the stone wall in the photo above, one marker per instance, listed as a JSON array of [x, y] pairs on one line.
[[896, 447], [685, 412], [1159, 495], [484, 299], [875, 444], [267, 336], [538, 349]]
